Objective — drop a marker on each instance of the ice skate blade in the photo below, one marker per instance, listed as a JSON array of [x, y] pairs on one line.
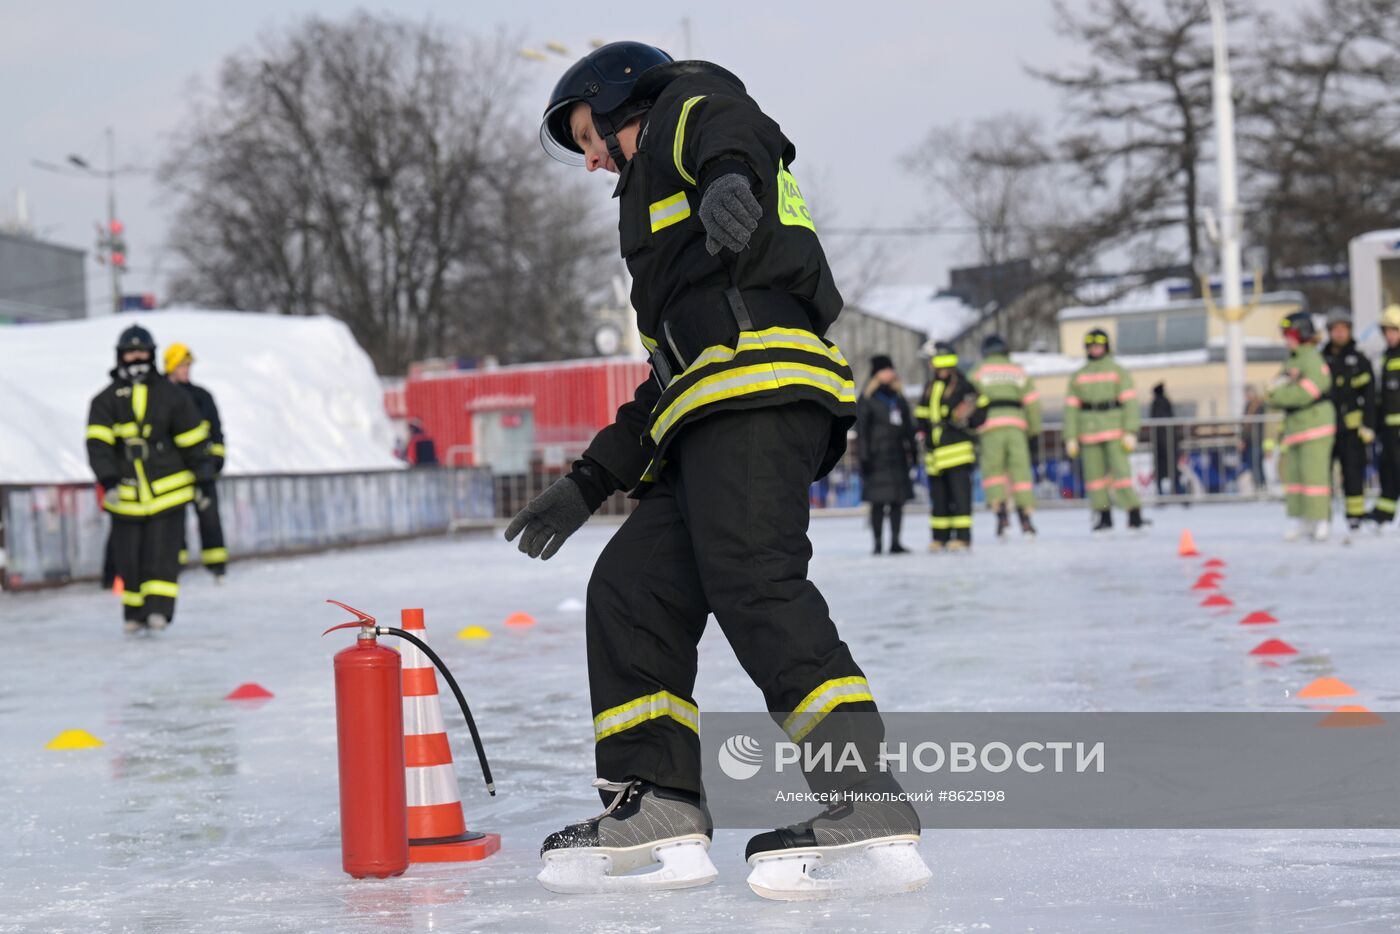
[[883, 866], [685, 863]]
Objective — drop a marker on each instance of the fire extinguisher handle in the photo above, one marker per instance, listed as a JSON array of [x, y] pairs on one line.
[[456, 691]]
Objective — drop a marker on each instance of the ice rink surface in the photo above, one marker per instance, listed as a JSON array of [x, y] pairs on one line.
[[200, 814]]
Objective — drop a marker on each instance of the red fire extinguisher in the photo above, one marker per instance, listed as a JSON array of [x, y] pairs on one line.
[[369, 732]]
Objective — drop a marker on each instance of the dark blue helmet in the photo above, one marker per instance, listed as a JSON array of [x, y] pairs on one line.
[[993, 344], [603, 79]]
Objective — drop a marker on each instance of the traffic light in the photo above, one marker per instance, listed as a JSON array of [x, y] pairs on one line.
[[116, 244]]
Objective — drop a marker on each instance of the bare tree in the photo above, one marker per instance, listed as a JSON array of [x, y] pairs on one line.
[[1322, 135], [374, 170], [1142, 106]]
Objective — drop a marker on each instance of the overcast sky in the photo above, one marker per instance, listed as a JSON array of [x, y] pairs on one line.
[[855, 85]]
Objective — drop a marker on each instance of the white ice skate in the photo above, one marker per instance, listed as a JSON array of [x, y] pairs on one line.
[[1322, 530], [644, 826], [847, 850], [156, 622], [1294, 531]]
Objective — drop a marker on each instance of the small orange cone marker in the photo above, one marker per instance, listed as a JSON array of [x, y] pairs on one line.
[[1352, 715], [1187, 548], [1327, 687], [520, 619]]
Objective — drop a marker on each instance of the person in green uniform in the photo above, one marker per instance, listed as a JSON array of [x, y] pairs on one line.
[[1102, 419], [1309, 427], [1007, 436]]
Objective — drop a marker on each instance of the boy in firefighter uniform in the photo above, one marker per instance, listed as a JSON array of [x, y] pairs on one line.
[[1013, 419], [1309, 427], [1353, 394], [1102, 419], [746, 407], [948, 415], [1386, 419], [212, 553], [145, 443]]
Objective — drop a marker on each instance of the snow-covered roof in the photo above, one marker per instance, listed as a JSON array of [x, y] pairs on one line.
[[920, 307], [1058, 364], [1138, 303]]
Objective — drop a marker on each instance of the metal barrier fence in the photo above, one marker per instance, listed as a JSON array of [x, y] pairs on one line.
[[57, 533], [1202, 459]]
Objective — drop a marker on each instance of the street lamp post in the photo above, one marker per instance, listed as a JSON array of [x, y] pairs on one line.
[[1231, 288]]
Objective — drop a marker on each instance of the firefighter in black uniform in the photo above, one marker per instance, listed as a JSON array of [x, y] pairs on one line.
[[748, 405], [145, 443], [1354, 396], [1386, 421], [212, 552], [948, 414]]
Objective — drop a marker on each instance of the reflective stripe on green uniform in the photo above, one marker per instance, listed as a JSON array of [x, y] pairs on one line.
[[1013, 415], [1309, 429]]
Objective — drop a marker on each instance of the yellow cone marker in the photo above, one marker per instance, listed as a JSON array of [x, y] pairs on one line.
[[474, 632], [74, 739]]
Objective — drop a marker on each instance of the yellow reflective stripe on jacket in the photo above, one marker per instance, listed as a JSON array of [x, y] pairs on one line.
[[821, 701], [669, 211], [157, 588], [639, 711], [101, 433], [126, 430], [139, 392], [217, 450], [745, 381], [171, 482], [648, 343], [678, 144], [1393, 418], [1393, 363], [1361, 379], [192, 437], [735, 381], [1352, 419]]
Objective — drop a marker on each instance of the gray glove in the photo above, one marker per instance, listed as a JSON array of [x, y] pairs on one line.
[[550, 518], [730, 213], [202, 502], [112, 498]]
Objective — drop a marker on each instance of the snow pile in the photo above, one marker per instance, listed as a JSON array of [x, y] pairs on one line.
[[297, 395]]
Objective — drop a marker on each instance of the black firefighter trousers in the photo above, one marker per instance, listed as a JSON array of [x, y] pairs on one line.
[[147, 556], [724, 531], [1350, 452], [212, 553]]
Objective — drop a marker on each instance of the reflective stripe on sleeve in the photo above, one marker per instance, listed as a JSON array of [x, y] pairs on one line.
[[101, 433], [678, 145], [214, 556], [172, 482], [192, 437], [669, 211]]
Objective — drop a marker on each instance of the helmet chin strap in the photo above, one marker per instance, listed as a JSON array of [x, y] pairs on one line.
[[608, 131]]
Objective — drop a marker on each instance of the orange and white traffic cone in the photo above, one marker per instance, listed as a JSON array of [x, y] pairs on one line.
[[437, 831]]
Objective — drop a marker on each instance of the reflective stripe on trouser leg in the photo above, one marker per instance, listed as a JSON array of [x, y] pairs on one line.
[[646, 611], [1314, 472], [823, 699], [1124, 491], [159, 561], [1022, 477], [940, 520], [959, 481], [1094, 462], [743, 479], [211, 531], [644, 709]]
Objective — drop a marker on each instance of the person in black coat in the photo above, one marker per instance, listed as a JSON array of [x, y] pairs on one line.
[[887, 448], [1165, 441]]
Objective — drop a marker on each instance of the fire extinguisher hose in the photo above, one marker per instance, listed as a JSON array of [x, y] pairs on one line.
[[456, 691]]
